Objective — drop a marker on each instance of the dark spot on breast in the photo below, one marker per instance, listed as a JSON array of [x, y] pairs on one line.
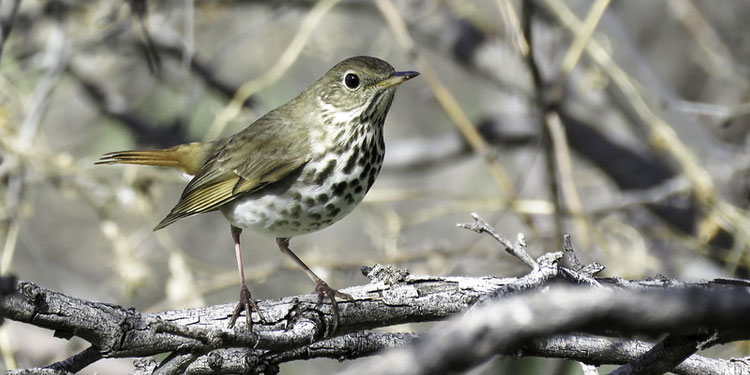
[[350, 198], [322, 198], [296, 211], [350, 142], [358, 189], [282, 223], [326, 221], [297, 196], [315, 217], [309, 201], [334, 213], [338, 188], [350, 163], [296, 223], [330, 207], [322, 175]]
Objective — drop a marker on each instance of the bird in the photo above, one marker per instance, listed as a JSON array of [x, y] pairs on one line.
[[297, 169]]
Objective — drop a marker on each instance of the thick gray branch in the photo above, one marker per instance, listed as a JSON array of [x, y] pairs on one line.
[[291, 322], [587, 349], [596, 350], [664, 356], [245, 360], [295, 326], [510, 322]]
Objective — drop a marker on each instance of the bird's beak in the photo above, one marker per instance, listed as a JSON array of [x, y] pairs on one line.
[[397, 78]]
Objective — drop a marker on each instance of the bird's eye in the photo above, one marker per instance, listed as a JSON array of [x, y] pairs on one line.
[[351, 81]]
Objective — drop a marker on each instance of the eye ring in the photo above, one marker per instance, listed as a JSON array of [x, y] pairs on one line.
[[351, 81]]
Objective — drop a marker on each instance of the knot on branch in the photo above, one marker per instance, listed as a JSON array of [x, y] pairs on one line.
[[301, 315], [549, 259], [35, 295], [388, 274], [215, 361]]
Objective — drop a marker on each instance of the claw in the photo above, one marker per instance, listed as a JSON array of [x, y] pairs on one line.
[[322, 289], [248, 305]]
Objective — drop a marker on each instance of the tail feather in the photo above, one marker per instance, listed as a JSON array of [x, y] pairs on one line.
[[188, 157], [161, 158]]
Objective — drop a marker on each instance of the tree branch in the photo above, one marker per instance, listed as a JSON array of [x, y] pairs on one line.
[[505, 324], [78, 361], [518, 250], [244, 360], [145, 130], [393, 297], [596, 350], [663, 357], [6, 25], [297, 328]]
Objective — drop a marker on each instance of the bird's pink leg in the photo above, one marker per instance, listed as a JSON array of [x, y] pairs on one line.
[[246, 301], [321, 287]]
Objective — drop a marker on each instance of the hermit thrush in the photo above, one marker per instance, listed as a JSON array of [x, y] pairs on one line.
[[298, 169]]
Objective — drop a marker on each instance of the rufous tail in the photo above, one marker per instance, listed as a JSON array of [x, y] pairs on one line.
[[188, 157]]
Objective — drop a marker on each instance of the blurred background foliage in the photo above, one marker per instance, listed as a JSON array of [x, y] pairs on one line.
[[638, 149]]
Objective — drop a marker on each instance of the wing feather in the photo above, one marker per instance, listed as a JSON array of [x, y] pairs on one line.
[[261, 154]]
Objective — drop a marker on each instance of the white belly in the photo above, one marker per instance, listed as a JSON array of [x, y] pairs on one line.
[[291, 209]]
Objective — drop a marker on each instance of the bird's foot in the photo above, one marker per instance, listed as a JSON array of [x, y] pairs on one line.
[[322, 289], [248, 305]]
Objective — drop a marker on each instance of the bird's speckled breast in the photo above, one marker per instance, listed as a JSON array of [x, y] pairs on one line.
[[325, 190]]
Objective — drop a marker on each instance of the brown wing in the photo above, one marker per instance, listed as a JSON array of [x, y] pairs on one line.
[[262, 153]]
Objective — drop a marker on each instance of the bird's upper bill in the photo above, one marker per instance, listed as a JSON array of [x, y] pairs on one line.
[[396, 79]]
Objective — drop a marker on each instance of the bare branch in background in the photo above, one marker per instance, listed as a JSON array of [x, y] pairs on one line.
[[203, 70], [450, 105], [518, 250], [6, 24], [145, 131], [139, 9], [291, 53]]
